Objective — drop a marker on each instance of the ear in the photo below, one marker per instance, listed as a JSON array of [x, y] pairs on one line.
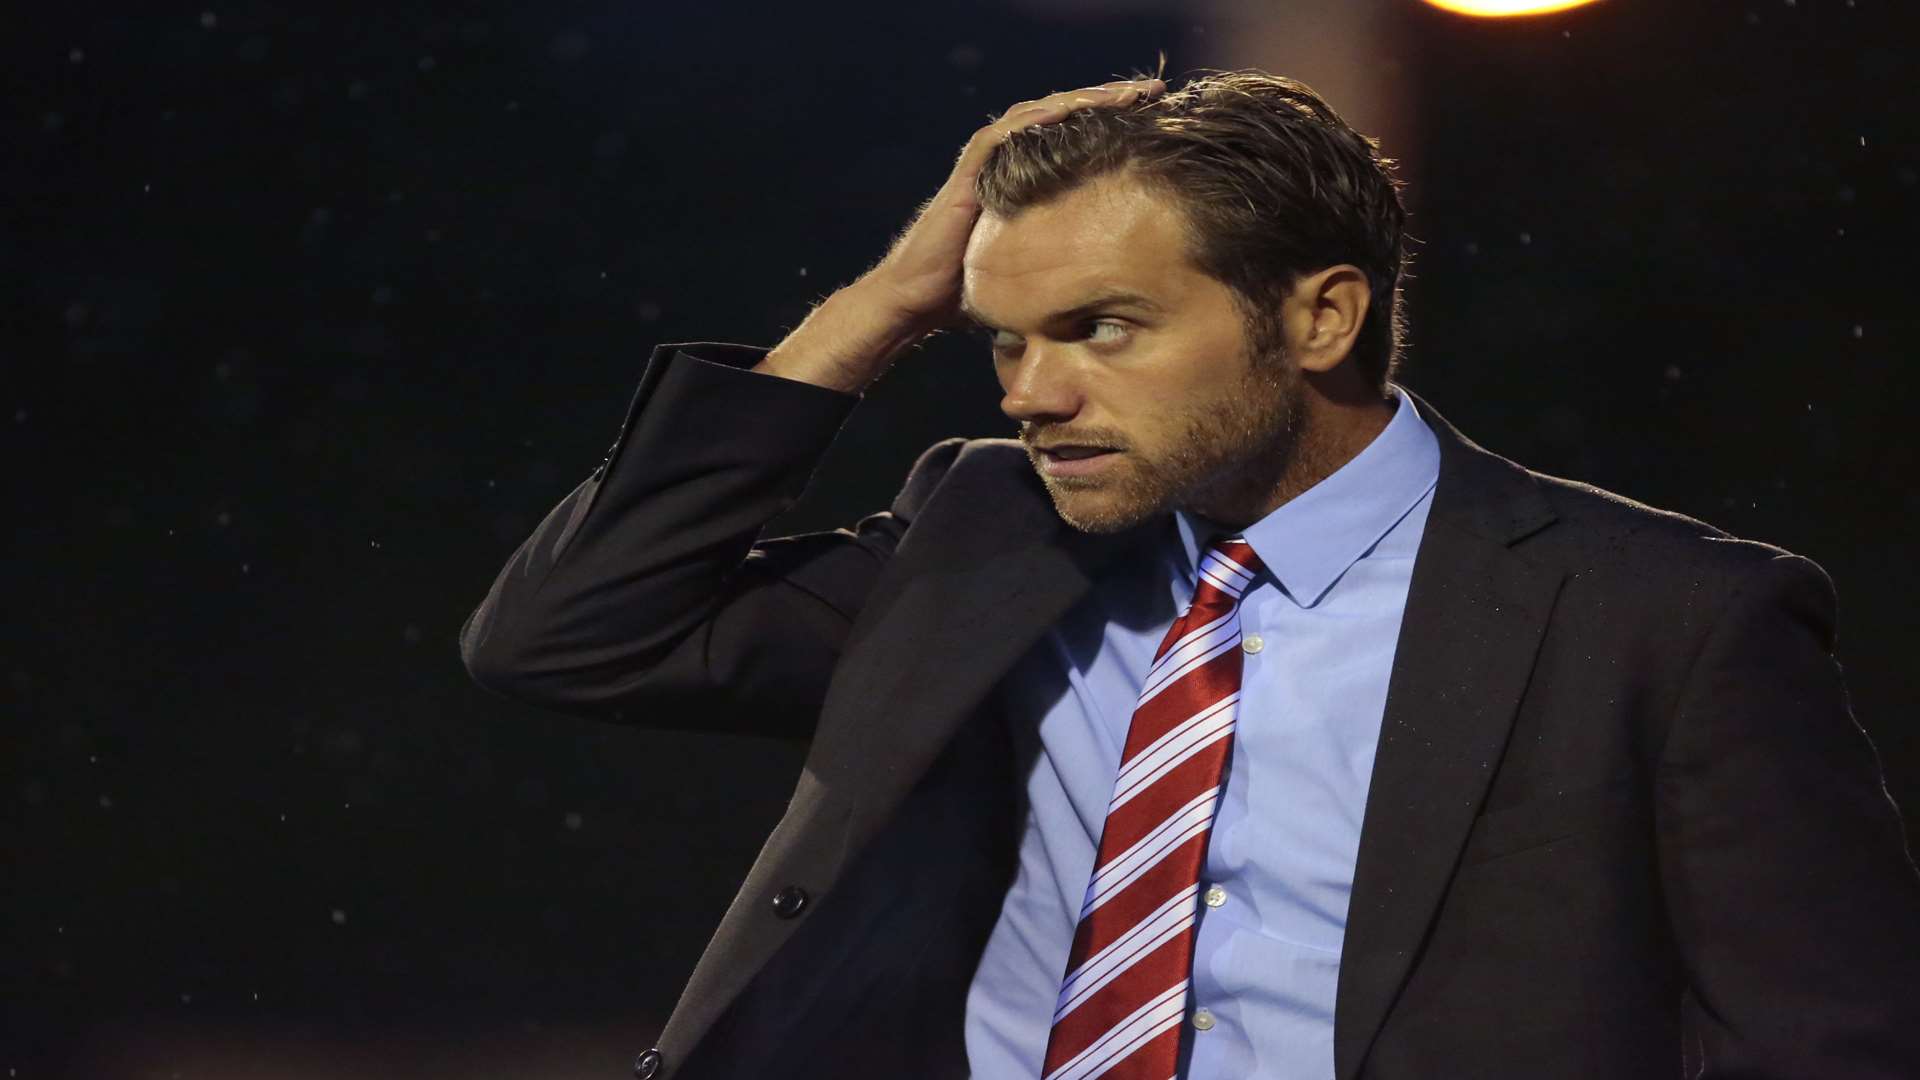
[[1323, 314]]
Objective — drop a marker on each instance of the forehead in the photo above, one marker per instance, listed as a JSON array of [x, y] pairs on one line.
[[1105, 236]]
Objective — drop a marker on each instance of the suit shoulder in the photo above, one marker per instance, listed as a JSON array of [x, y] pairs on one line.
[[956, 456], [1605, 527]]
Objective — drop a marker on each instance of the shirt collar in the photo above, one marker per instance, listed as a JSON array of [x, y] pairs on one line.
[[1311, 540]]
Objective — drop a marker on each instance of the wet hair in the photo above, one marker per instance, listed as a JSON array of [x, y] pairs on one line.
[[1272, 186]]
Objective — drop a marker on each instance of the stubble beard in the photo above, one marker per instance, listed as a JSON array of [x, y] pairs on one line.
[[1223, 455]]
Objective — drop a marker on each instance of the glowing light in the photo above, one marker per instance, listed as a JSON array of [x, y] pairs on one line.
[[1503, 8]]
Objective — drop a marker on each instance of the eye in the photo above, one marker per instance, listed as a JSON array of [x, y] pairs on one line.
[[992, 336]]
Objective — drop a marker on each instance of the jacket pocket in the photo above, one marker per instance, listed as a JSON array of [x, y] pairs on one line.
[[1554, 816]]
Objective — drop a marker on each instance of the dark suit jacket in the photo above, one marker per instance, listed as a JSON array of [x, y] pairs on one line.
[[1620, 812]]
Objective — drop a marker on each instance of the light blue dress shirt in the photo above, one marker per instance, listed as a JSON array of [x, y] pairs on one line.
[[1319, 630]]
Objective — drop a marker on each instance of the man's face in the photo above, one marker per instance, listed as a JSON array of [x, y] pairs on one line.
[[1200, 422]]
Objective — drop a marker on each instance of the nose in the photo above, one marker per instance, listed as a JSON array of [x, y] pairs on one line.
[[1041, 387]]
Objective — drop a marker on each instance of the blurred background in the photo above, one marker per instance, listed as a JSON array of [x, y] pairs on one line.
[[310, 316]]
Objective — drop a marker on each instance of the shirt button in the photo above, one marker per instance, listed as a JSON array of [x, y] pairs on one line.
[[1253, 643], [1202, 1020], [1216, 896]]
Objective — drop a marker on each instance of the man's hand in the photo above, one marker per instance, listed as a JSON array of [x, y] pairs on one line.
[[921, 272], [854, 335]]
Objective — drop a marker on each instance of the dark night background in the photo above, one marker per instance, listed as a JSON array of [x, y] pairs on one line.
[[310, 317]]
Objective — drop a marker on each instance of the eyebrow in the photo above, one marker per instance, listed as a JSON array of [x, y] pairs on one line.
[[1112, 299]]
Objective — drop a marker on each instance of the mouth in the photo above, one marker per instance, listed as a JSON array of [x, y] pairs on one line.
[[1076, 460], [1074, 452]]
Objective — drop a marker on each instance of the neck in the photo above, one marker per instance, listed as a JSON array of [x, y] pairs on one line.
[[1332, 433]]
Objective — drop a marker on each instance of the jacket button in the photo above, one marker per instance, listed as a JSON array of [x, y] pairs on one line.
[[788, 901], [647, 1064]]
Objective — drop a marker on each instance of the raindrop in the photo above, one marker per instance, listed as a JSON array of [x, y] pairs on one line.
[[573, 820], [803, 271], [339, 917], [209, 20], [1859, 331], [568, 45], [78, 56], [427, 63]]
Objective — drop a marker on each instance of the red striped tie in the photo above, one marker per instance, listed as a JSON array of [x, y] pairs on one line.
[[1125, 988]]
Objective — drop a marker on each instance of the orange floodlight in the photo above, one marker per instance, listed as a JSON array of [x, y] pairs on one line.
[[1503, 8]]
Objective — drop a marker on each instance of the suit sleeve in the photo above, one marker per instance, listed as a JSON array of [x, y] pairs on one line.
[[1793, 895], [646, 597]]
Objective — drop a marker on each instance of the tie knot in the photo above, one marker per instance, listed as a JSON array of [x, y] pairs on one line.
[[1231, 563]]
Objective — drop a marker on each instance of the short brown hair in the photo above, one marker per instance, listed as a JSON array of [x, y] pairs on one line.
[[1273, 185]]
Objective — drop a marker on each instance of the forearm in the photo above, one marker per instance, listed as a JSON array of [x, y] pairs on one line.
[[633, 559], [845, 343]]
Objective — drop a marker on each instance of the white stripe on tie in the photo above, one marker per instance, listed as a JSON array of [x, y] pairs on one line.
[[1201, 649], [1176, 746], [1104, 966], [1156, 1016], [1151, 848]]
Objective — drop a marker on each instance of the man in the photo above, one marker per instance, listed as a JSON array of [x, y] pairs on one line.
[[1240, 719]]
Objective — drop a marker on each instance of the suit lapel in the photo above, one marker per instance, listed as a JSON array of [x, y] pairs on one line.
[[979, 578], [988, 569], [1475, 614]]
